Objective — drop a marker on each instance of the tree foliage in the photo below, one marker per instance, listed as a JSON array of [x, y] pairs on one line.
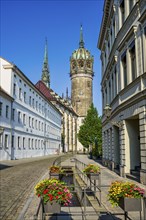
[[90, 131]]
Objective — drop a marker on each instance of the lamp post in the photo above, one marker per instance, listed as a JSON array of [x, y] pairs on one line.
[[107, 112]]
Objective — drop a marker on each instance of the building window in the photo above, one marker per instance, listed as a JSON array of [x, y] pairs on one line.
[[103, 99], [109, 92], [18, 142], [13, 114], [122, 9], [124, 66], [13, 141], [33, 103], [36, 144], [24, 119], [23, 142], [130, 5], [6, 141], [36, 124], [20, 93], [112, 87], [32, 143], [1, 106], [1, 140], [36, 105], [106, 102], [42, 126], [114, 29], [133, 62], [7, 111], [30, 122], [39, 144], [14, 89], [19, 117], [25, 97], [29, 143], [115, 82], [30, 100], [39, 125]]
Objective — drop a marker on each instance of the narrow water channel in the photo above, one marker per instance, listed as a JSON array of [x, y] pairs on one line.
[[68, 179]]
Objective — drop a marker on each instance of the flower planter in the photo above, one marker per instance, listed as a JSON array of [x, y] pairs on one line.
[[130, 204], [54, 208], [93, 176]]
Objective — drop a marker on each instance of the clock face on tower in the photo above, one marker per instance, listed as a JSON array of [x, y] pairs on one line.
[[44, 78]]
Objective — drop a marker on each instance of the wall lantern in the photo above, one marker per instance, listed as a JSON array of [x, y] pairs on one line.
[[1, 130], [107, 111]]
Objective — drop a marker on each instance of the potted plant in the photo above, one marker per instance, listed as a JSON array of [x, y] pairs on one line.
[[55, 171], [53, 193], [92, 171], [127, 195]]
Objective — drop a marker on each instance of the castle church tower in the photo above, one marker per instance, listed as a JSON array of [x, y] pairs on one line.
[[81, 74]]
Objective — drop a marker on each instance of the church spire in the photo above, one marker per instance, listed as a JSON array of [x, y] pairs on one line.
[[81, 43], [45, 70]]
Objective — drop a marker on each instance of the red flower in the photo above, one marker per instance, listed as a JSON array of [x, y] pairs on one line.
[[45, 191], [59, 193]]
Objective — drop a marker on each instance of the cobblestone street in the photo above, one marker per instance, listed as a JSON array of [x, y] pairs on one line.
[[17, 180]]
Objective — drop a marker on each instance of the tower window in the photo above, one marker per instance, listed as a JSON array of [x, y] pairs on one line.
[[81, 63]]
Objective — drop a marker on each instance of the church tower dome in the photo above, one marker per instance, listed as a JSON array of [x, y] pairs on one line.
[[81, 74]]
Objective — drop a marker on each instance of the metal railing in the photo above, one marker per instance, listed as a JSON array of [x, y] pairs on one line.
[[41, 215], [84, 191]]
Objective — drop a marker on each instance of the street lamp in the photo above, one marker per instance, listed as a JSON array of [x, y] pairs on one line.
[[107, 111]]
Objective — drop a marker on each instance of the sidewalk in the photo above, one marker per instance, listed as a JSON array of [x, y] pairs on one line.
[[107, 177]]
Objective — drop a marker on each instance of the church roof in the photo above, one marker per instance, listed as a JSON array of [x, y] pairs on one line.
[[53, 96], [45, 90]]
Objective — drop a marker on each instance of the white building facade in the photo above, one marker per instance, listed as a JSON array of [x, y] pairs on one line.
[[30, 125], [122, 42], [69, 118]]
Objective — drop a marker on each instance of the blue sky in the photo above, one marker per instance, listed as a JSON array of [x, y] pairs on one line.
[[26, 24]]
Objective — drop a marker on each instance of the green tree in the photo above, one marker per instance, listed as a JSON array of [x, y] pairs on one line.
[[90, 132]]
